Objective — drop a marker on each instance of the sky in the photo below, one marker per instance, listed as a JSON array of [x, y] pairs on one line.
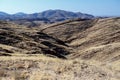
[[94, 7]]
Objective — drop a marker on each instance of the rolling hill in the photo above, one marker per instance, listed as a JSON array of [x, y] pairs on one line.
[[92, 39]]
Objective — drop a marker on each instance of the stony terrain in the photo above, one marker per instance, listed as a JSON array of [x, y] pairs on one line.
[[79, 49]]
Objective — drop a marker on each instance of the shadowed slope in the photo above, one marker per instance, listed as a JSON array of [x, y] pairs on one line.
[[33, 41]]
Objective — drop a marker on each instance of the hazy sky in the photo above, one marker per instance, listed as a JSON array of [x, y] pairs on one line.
[[95, 7]]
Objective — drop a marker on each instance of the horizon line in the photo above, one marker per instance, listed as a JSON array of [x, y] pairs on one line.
[[61, 10]]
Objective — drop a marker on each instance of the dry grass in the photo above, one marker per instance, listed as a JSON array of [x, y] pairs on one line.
[[45, 68]]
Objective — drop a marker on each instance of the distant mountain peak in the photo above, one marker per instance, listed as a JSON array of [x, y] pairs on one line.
[[20, 13], [3, 13]]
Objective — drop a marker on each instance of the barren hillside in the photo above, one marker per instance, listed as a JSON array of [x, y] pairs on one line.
[[97, 39]]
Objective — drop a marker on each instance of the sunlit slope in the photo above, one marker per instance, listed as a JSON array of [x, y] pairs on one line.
[[97, 39]]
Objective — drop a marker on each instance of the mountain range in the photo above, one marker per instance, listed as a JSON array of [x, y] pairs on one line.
[[48, 15]]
